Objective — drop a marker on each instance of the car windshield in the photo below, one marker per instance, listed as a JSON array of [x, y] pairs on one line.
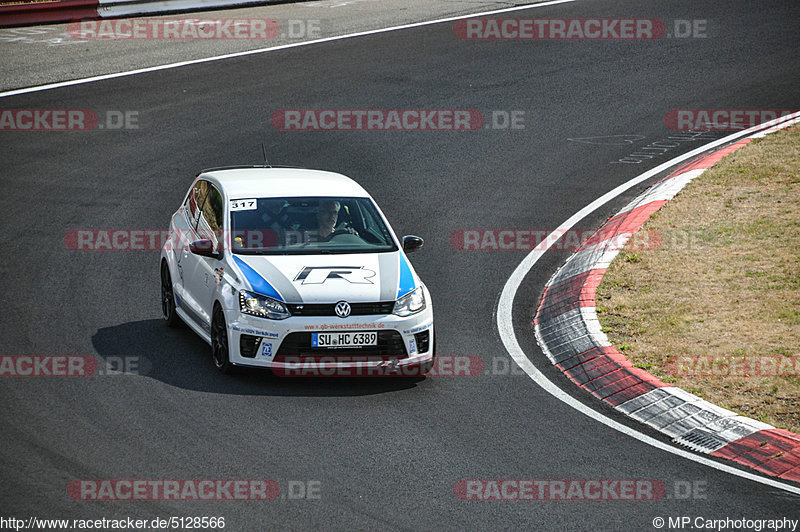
[[308, 225]]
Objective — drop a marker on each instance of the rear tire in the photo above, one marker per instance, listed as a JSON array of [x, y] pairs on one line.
[[171, 317], [219, 342]]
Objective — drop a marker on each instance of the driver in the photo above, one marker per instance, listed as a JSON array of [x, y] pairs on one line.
[[327, 215]]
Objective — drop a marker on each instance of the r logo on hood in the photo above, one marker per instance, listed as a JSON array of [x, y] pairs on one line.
[[320, 274]]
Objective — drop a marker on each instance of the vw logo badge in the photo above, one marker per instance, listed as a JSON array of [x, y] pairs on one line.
[[343, 309]]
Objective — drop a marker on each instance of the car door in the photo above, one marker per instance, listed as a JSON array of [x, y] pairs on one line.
[[183, 224], [201, 274]]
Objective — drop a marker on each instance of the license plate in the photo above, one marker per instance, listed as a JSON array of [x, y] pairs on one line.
[[344, 339]]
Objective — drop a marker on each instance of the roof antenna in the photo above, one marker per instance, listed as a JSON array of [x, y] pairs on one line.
[[264, 151]]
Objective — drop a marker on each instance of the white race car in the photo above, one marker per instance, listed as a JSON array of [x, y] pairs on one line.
[[295, 270]]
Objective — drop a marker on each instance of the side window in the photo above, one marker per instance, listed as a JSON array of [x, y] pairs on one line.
[[210, 223], [195, 199]]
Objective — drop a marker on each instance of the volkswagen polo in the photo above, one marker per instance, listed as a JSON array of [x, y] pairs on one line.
[[295, 270]]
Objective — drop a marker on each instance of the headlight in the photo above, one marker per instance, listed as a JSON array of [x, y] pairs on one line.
[[262, 306], [410, 303]]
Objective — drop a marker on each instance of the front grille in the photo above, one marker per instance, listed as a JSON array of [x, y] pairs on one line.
[[328, 309], [297, 347]]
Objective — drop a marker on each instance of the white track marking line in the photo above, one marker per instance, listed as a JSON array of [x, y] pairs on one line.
[[507, 335], [92, 79]]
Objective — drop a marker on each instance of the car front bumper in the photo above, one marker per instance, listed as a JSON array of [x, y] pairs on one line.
[[405, 345]]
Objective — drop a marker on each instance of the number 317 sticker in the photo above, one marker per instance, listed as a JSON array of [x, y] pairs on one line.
[[243, 204]]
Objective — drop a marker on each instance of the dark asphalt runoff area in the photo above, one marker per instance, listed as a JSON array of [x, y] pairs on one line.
[[379, 453]]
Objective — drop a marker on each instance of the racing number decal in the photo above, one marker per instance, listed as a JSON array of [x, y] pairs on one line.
[[244, 205]]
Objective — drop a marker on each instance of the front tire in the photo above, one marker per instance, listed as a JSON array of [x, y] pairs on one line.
[[171, 317], [219, 342]]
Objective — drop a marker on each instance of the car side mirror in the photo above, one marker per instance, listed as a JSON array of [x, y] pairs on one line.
[[412, 243], [205, 248]]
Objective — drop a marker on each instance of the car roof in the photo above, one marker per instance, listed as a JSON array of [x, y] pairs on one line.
[[265, 182]]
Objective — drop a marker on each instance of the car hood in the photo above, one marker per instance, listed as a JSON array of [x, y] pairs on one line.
[[363, 277]]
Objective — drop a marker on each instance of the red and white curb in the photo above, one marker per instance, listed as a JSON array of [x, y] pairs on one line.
[[569, 333], [127, 8], [73, 10], [47, 12]]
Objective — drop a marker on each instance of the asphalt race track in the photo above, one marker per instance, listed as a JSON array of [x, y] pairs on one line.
[[375, 453]]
